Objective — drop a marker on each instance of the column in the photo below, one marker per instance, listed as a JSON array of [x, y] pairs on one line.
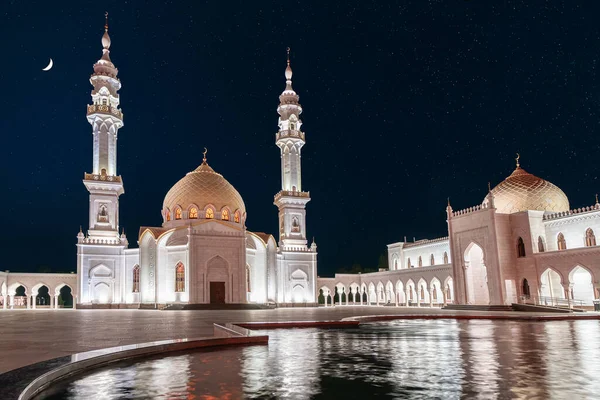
[[377, 295], [431, 289], [4, 301], [361, 296], [597, 292], [568, 289], [407, 295], [419, 297], [445, 297], [34, 301], [396, 295], [12, 301], [347, 291], [28, 302]]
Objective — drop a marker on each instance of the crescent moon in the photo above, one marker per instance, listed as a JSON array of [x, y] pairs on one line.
[[49, 66]]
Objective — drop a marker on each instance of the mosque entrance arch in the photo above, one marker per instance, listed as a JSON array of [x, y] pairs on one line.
[[217, 276], [476, 277]]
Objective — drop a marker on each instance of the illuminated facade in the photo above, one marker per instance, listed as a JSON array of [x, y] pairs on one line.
[[523, 243], [203, 252]]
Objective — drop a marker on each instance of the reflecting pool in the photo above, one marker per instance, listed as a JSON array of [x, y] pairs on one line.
[[427, 359]]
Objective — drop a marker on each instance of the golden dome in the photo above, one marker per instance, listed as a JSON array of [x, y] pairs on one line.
[[523, 191], [201, 187]]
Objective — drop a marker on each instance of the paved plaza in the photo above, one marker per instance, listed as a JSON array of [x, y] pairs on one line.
[[30, 336]]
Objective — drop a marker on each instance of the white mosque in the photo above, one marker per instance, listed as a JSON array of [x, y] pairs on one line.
[[522, 244], [202, 253]]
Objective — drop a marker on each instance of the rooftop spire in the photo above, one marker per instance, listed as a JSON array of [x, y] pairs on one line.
[[106, 22], [517, 160], [204, 152], [288, 70]]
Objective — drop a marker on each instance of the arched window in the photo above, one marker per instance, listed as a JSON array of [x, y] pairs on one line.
[[445, 258], [520, 247], [562, 243], [209, 213], [525, 289], [179, 278], [420, 261], [193, 212], [540, 244], [225, 214], [590, 239], [236, 217], [422, 293], [178, 213], [434, 294], [168, 215], [432, 260], [395, 264], [136, 279], [408, 263]]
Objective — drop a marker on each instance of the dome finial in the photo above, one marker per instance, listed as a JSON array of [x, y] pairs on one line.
[[288, 70], [204, 152], [106, 21], [596, 198], [517, 160]]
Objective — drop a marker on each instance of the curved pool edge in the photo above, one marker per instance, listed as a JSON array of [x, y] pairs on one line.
[[545, 317], [35, 378]]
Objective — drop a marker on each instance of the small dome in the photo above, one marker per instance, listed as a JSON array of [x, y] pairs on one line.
[[202, 187], [523, 191]]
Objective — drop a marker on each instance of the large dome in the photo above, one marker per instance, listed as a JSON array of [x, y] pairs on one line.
[[523, 191], [200, 188]]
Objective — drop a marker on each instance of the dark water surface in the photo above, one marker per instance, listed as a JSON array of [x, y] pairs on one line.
[[431, 359]]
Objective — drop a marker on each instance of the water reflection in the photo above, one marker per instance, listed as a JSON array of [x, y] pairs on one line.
[[403, 359]]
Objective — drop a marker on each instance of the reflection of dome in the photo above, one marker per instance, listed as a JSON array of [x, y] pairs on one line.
[[202, 187], [522, 191]]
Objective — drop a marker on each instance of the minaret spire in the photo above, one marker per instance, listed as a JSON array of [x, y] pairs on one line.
[[291, 200]]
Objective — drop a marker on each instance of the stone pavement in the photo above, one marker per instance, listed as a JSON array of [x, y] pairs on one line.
[[29, 336]]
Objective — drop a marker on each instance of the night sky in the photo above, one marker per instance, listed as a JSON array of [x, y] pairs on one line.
[[405, 104]]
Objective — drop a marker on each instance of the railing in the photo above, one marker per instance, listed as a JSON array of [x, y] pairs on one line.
[[470, 210], [293, 193], [551, 301], [102, 241], [104, 109], [289, 134], [98, 177], [562, 214], [424, 241]]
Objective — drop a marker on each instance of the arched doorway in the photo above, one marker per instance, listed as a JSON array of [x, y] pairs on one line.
[[217, 276], [583, 288], [65, 297], [43, 296], [551, 288], [476, 278]]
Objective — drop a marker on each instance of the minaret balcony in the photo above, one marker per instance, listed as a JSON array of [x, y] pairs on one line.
[[291, 193], [104, 109], [102, 177], [290, 134]]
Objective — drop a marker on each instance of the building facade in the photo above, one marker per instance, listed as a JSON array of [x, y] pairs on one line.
[[202, 253], [523, 243]]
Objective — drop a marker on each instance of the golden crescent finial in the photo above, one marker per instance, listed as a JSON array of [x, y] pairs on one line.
[[596, 198], [106, 20], [204, 152], [517, 160], [288, 56]]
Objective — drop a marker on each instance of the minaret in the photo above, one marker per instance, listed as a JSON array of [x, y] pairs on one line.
[[291, 200], [104, 185]]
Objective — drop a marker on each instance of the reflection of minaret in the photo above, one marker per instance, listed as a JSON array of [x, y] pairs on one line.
[[291, 200], [104, 185]]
